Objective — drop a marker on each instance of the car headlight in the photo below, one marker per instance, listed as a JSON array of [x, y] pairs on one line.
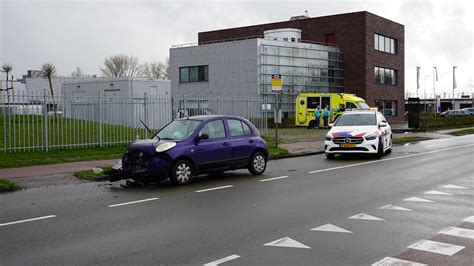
[[328, 138], [370, 137], [165, 146]]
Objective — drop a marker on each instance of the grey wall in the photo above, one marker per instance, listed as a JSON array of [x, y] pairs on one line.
[[232, 69]]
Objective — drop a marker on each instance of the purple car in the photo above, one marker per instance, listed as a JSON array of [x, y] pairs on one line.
[[195, 145]]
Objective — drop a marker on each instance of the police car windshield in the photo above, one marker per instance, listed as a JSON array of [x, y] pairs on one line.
[[356, 120], [362, 105]]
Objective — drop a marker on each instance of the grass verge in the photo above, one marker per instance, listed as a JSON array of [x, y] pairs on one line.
[[91, 176], [7, 185], [408, 139], [21, 159], [274, 151], [462, 132]]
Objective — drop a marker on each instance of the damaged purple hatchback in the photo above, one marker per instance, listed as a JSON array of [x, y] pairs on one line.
[[195, 145]]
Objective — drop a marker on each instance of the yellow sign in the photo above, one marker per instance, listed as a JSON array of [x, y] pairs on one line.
[[277, 82]]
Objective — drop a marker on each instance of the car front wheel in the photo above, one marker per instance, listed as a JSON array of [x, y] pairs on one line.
[[330, 156], [182, 172], [258, 164], [379, 150]]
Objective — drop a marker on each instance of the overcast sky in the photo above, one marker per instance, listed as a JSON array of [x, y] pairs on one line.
[[81, 33]]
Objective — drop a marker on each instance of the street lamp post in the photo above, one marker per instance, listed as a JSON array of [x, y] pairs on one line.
[[435, 78], [454, 82], [424, 98]]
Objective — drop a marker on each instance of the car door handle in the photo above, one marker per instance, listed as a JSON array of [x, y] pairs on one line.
[[225, 143], [251, 140]]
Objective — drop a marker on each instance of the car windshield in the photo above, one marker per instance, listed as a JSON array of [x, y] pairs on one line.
[[178, 130], [356, 120], [363, 105]]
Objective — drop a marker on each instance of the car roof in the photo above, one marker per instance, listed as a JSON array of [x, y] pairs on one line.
[[210, 117], [360, 111]]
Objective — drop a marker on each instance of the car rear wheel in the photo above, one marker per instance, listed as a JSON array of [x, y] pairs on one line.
[[330, 156], [182, 172], [311, 124], [258, 164]]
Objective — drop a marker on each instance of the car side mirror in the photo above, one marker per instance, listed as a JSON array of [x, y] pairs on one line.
[[383, 124], [203, 136]]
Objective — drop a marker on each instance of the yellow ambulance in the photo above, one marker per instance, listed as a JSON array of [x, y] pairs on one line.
[[306, 104]]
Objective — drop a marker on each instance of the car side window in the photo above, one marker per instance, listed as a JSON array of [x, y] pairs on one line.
[[247, 129], [235, 127], [214, 129]]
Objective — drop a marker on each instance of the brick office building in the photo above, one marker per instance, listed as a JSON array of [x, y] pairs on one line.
[[372, 47]]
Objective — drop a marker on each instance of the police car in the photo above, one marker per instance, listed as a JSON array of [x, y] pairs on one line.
[[359, 131]]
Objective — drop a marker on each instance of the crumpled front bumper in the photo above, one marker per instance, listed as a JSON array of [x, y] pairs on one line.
[[155, 170]]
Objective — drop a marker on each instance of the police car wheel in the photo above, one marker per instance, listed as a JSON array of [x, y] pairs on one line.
[[330, 156], [389, 150], [379, 150]]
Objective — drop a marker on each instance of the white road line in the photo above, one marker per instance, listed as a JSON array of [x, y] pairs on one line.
[[214, 188], [132, 202], [389, 159], [436, 247], [29, 220], [220, 261], [274, 178], [388, 261], [459, 232]]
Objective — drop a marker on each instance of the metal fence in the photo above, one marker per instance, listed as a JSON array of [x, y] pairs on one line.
[[32, 122]]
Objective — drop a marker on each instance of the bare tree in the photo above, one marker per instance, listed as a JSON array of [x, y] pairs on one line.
[[154, 70], [7, 69], [49, 71], [78, 73], [120, 65], [167, 69]]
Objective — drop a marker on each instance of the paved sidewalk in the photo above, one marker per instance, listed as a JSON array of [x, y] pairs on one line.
[[303, 147], [52, 169]]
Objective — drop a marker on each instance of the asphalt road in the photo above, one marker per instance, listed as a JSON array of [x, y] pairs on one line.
[[99, 223]]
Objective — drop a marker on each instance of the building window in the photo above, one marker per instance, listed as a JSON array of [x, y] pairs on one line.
[[385, 44], [193, 74], [387, 107], [385, 76]]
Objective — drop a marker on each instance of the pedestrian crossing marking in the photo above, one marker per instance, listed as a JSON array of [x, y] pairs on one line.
[[437, 247], [363, 216], [469, 219], [459, 232], [388, 261], [331, 228], [286, 242]]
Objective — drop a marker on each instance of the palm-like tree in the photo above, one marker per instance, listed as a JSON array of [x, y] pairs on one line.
[[49, 71], [7, 68]]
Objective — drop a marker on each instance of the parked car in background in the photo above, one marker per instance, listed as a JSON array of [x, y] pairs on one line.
[[191, 146], [359, 131], [453, 113], [469, 110]]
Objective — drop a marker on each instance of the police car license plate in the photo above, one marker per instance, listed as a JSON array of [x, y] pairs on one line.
[[347, 145]]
